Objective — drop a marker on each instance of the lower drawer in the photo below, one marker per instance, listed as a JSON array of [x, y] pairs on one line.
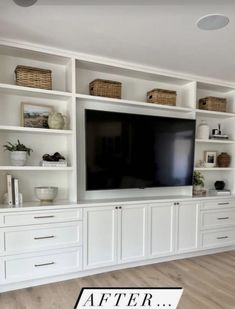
[[23, 268], [43, 237], [218, 238], [217, 218]]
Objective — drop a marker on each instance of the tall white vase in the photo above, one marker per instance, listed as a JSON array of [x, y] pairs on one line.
[[203, 130]]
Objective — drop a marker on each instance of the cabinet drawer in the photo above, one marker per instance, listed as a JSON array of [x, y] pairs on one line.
[[41, 217], [218, 204], [42, 237], [218, 238], [22, 268], [218, 218]]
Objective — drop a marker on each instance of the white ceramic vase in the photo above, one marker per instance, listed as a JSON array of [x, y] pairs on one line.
[[203, 130], [56, 121], [18, 158]]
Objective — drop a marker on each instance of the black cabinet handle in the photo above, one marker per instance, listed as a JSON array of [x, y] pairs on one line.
[[223, 203], [44, 237], [222, 237], [44, 264], [43, 217], [223, 218]]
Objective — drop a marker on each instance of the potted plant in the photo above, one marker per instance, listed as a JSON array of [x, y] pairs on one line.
[[198, 181], [18, 153]]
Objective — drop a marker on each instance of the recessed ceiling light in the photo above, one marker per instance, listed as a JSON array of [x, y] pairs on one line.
[[25, 3], [212, 22]]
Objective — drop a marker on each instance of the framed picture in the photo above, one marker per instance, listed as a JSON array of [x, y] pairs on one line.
[[35, 115], [210, 158]]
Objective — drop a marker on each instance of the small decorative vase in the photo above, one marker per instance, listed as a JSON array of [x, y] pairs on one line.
[[56, 121], [203, 130], [224, 159], [18, 158], [219, 185], [197, 188]]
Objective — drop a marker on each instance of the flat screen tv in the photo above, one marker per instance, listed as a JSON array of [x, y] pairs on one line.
[[137, 151]]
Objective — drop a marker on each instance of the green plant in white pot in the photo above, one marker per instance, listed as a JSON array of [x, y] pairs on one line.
[[198, 181], [18, 153]]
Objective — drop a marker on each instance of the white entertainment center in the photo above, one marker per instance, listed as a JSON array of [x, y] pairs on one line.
[[87, 232]]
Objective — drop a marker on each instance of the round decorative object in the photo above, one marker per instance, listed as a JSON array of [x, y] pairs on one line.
[[46, 194], [56, 121], [219, 185], [203, 130], [18, 158], [224, 159]]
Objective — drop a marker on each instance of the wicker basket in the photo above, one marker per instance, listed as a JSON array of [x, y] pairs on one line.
[[161, 96], [33, 77], [213, 104], [105, 88]]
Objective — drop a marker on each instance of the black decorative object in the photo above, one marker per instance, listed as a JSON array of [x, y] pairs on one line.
[[219, 185], [53, 158]]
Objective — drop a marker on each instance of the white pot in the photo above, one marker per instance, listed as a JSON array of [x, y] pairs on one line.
[[18, 158], [203, 130]]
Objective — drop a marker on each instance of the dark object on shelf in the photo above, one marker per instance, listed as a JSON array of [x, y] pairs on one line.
[[55, 157], [224, 159], [105, 88], [219, 185], [162, 96], [213, 104], [33, 77], [222, 137]]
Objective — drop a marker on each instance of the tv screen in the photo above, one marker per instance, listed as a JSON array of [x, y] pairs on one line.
[[137, 151]]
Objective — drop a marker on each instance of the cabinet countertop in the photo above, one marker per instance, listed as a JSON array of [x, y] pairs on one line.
[[58, 205]]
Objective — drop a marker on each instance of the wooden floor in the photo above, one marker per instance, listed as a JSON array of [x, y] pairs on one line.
[[208, 282]]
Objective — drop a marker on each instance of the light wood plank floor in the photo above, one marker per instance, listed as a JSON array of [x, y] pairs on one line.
[[208, 282]]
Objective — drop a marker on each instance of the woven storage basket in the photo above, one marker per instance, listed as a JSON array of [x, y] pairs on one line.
[[105, 88], [213, 104], [161, 96], [33, 77]]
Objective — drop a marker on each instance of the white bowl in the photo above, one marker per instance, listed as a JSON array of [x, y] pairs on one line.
[[46, 194]]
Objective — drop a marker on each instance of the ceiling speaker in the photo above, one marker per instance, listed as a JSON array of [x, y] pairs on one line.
[[25, 3]]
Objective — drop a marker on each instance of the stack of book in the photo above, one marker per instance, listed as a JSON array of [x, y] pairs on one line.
[[60, 163], [13, 195]]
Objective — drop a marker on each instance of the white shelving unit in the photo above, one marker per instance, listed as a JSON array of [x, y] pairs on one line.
[[214, 141], [35, 168], [71, 77], [42, 141]]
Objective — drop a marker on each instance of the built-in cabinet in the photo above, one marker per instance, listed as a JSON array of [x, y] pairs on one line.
[[100, 236], [114, 234], [132, 233], [161, 223], [71, 240], [187, 226]]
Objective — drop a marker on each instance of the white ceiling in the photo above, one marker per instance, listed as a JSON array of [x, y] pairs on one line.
[[150, 32]]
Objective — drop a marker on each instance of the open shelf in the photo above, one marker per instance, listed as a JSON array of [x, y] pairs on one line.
[[34, 130], [34, 92], [134, 103], [35, 168], [214, 141], [213, 169], [212, 114]]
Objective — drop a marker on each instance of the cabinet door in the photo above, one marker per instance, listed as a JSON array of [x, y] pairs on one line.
[[132, 233], [187, 227], [162, 226], [100, 233]]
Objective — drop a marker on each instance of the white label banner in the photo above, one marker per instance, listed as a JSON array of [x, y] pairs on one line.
[[123, 298]]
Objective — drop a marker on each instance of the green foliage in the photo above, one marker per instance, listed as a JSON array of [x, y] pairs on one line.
[[198, 179], [17, 147]]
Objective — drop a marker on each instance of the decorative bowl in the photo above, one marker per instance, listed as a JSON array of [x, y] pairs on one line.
[[46, 194]]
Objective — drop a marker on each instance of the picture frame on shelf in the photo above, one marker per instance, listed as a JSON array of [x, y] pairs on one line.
[[35, 115], [210, 158]]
